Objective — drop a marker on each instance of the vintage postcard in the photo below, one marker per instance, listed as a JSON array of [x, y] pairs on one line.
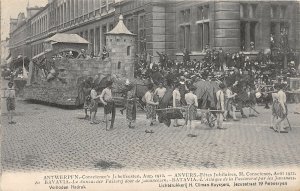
[[151, 95]]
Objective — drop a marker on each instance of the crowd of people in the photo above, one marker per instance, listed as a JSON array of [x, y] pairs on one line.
[[265, 67], [243, 81]]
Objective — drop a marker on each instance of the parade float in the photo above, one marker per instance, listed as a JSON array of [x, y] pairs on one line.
[[57, 75]]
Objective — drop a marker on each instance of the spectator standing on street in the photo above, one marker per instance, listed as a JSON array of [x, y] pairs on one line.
[[220, 105], [10, 96], [150, 104]]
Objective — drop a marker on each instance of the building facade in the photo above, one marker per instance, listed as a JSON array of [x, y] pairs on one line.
[[4, 55], [165, 26]]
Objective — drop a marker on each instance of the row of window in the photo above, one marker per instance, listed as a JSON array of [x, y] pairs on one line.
[[39, 26], [72, 9], [141, 30], [202, 36], [202, 14], [250, 11], [93, 36]]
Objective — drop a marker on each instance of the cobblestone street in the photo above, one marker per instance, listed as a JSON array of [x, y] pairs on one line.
[[50, 138]]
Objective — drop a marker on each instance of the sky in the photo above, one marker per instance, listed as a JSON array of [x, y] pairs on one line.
[[11, 9]]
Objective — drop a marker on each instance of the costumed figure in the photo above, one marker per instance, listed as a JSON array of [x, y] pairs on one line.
[[229, 104], [192, 105], [94, 103], [131, 105], [105, 54], [176, 101], [87, 98], [150, 104], [251, 100], [280, 110], [220, 105], [109, 105]]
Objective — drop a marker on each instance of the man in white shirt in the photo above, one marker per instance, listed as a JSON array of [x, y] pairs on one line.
[[220, 106]]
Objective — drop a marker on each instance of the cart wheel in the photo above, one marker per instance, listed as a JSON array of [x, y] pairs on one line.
[[211, 124]]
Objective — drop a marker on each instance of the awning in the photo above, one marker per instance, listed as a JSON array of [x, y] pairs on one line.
[[67, 38]]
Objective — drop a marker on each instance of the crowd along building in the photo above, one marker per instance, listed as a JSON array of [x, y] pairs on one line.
[[169, 26]]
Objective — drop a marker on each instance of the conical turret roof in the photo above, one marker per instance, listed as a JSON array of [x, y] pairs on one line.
[[120, 28]]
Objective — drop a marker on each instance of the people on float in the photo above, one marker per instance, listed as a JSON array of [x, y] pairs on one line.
[[105, 53]]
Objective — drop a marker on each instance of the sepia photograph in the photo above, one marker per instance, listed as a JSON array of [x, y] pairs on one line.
[[150, 95]]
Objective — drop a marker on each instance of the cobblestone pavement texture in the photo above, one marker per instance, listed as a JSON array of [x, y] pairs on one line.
[[48, 138]]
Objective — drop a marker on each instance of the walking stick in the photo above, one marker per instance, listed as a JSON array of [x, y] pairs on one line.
[[289, 123]]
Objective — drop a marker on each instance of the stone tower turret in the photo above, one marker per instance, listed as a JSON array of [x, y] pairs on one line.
[[122, 46]]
